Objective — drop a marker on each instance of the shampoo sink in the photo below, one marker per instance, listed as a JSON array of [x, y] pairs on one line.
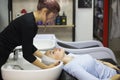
[[45, 41], [44, 44], [23, 70]]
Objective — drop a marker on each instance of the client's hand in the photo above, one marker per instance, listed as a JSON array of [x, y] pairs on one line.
[[110, 65], [54, 64], [116, 77]]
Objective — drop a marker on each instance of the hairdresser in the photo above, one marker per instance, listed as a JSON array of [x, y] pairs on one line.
[[23, 29]]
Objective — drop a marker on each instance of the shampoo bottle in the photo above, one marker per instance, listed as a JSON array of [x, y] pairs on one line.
[[63, 19], [58, 20]]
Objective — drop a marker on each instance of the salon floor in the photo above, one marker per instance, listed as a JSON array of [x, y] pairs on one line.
[[117, 55], [114, 45]]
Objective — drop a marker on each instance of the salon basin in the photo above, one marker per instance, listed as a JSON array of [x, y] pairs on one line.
[[23, 70], [44, 44], [44, 41]]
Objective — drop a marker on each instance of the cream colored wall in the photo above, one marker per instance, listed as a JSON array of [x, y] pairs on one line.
[[3, 14], [18, 5], [66, 5], [84, 23]]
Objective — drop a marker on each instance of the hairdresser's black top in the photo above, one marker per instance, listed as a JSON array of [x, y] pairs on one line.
[[21, 31]]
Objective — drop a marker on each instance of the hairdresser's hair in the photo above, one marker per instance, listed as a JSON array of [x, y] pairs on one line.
[[51, 5]]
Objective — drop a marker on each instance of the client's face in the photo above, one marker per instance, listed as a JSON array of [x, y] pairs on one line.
[[56, 53]]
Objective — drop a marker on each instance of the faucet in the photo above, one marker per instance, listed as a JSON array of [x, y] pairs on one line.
[[16, 52], [15, 56]]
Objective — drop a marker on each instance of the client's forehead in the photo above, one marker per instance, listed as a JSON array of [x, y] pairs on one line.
[[48, 52]]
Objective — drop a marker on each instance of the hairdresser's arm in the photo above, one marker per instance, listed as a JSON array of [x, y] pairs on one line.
[[40, 64], [38, 54]]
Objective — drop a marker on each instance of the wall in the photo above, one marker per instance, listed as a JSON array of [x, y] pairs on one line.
[[18, 5], [61, 33], [114, 36], [84, 19], [3, 14], [66, 6], [84, 23]]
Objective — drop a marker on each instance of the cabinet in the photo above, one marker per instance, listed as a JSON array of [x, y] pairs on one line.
[[100, 30], [67, 6]]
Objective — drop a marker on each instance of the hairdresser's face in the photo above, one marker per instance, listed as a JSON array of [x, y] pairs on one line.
[[56, 53], [50, 18]]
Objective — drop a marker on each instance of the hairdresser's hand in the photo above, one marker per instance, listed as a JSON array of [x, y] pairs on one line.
[[54, 64]]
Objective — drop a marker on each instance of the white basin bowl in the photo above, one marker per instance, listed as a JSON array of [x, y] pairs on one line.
[[44, 41], [30, 72], [44, 44]]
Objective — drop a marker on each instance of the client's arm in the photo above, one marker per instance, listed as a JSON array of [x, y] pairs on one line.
[[116, 77], [110, 65]]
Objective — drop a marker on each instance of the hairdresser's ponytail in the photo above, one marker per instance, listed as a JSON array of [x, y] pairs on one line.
[[41, 1]]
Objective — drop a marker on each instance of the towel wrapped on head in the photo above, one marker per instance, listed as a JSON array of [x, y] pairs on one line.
[[47, 60]]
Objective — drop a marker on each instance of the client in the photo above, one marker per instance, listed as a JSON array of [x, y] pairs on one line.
[[84, 67]]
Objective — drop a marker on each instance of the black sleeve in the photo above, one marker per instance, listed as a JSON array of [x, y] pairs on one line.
[[28, 33]]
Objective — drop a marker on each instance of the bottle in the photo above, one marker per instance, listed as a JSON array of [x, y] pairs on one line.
[[58, 20], [39, 23], [23, 11], [63, 19]]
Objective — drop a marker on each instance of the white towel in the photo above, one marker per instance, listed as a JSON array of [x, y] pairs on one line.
[[47, 60]]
